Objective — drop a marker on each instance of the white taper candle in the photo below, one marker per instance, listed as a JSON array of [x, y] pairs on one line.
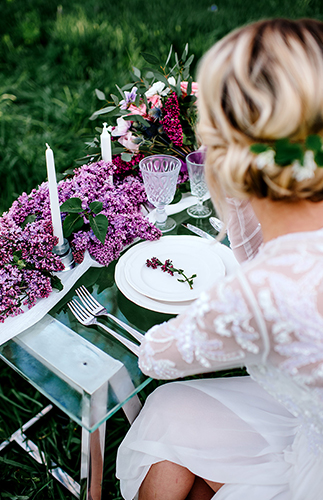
[[105, 144], [53, 196]]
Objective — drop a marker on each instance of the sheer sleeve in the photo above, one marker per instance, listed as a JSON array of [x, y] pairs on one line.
[[221, 329], [244, 230]]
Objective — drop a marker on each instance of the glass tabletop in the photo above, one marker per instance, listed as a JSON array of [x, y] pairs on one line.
[[83, 370]]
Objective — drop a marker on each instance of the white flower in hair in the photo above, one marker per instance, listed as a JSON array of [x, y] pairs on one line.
[[306, 171], [265, 159]]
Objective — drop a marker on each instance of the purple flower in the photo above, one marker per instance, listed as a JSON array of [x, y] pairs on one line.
[[130, 97], [171, 122], [26, 233]]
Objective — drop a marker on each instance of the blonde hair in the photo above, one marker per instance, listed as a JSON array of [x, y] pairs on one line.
[[261, 83]]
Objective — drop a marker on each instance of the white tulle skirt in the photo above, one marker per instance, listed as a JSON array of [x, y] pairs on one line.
[[226, 430]]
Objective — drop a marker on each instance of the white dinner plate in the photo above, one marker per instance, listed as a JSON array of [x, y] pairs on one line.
[[191, 254], [141, 300]]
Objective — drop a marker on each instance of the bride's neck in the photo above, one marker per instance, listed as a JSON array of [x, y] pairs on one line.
[[280, 217]]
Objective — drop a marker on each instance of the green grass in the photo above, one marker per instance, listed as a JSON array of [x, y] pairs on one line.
[[52, 57]]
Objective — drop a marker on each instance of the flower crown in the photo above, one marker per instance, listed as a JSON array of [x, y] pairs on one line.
[[303, 157]]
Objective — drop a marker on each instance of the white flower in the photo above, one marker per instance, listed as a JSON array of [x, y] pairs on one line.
[[172, 81], [265, 159], [306, 171], [157, 88], [121, 128]]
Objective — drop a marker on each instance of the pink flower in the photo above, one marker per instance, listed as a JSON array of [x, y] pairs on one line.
[[155, 100], [194, 90], [138, 111], [127, 142], [121, 128]]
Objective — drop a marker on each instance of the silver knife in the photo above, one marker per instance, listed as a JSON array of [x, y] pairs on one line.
[[198, 231], [216, 223]]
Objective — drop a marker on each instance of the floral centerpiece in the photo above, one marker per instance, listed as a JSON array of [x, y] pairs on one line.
[[27, 262], [154, 114]]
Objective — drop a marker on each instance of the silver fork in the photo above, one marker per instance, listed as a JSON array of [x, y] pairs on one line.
[[95, 308], [87, 319]]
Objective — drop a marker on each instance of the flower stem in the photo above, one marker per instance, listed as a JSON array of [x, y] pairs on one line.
[[168, 267]]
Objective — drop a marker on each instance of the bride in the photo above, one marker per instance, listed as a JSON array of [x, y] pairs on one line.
[[259, 436]]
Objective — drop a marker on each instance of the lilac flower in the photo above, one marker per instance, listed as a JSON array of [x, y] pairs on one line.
[[26, 234]]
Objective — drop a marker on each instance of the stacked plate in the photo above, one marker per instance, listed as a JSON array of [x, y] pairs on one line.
[[159, 291]]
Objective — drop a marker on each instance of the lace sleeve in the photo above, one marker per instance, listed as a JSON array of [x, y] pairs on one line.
[[222, 329], [244, 230]]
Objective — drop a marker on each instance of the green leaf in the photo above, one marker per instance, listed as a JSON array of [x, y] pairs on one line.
[[189, 86], [117, 150], [313, 142], [319, 158], [258, 148], [287, 152], [151, 59], [28, 219], [71, 224], [136, 71], [72, 205], [161, 77], [56, 283], [96, 206], [189, 61], [126, 156], [115, 99], [102, 111], [184, 55], [100, 95], [128, 86], [137, 118], [121, 91], [99, 225], [169, 55], [178, 86]]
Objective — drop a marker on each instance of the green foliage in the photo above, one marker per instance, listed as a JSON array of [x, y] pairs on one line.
[[73, 222], [287, 152], [53, 55]]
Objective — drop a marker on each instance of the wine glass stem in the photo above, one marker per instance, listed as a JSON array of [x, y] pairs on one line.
[[161, 215]]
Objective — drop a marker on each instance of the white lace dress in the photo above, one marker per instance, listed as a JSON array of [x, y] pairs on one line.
[[260, 435]]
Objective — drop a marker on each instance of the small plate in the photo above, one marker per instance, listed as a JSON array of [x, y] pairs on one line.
[[193, 255]]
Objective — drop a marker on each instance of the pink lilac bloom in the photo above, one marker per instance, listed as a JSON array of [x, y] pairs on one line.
[[171, 122]]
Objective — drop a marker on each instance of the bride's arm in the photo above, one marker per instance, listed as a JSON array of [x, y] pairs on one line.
[[244, 230], [220, 330]]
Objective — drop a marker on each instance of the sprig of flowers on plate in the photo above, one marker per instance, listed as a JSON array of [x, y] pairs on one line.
[[155, 113], [168, 267], [101, 218]]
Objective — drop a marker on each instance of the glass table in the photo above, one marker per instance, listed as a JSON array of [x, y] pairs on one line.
[[84, 371]]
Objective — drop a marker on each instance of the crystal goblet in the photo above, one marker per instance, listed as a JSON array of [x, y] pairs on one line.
[[195, 166], [160, 173]]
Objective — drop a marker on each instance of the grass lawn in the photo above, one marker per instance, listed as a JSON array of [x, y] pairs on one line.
[[53, 55]]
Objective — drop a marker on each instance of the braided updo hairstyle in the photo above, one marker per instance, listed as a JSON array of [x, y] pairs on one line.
[[261, 83]]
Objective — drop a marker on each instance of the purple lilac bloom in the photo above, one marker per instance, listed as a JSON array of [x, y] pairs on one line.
[[26, 257]]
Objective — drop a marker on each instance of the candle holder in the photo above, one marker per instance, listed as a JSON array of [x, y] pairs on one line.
[[65, 253]]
